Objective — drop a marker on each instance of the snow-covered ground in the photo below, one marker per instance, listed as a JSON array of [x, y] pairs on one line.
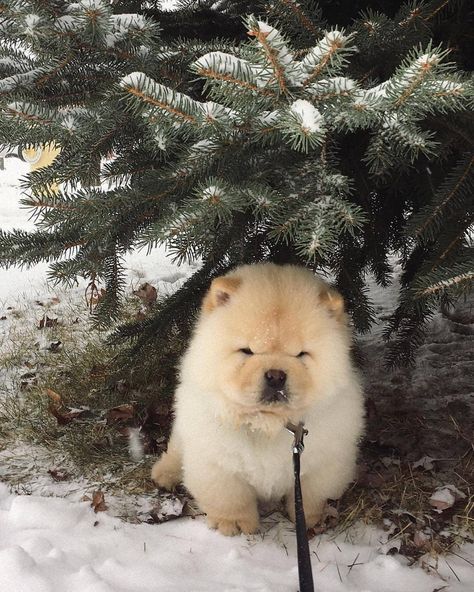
[[49, 543]]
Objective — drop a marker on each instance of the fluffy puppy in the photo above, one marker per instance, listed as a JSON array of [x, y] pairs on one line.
[[271, 346]]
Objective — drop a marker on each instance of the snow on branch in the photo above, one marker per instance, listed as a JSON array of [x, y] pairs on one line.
[[29, 112], [277, 58], [415, 76], [224, 67], [154, 94], [451, 282], [16, 81], [327, 56], [332, 88], [303, 124]]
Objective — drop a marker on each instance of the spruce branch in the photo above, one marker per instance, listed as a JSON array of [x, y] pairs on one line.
[[453, 281], [302, 18], [454, 192], [327, 56], [147, 91], [229, 69], [277, 57]]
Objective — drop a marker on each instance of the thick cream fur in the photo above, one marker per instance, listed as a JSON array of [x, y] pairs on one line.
[[227, 446]]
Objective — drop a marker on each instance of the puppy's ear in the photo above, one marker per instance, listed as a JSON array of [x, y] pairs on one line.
[[220, 292], [334, 302]]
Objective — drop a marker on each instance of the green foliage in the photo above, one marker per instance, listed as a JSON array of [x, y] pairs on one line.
[[327, 146]]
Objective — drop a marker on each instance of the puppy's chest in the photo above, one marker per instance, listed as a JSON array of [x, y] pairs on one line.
[[264, 464]]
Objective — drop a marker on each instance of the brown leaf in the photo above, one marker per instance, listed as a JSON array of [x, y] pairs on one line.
[[98, 502], [120, 413], [59, 411], [64, 416], [58, 474], [54, 396], [147, 294], [420, 539], [98, 297]]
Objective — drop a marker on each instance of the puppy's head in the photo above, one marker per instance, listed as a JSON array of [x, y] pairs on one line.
[[271, 342]]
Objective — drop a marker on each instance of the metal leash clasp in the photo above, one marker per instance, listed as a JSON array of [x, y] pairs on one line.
[[299, 432]]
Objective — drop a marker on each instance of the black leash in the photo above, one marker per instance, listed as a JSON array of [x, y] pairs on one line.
[[305, 572]]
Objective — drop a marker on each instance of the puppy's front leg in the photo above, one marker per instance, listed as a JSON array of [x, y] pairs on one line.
[[167, 471], [229, 502]]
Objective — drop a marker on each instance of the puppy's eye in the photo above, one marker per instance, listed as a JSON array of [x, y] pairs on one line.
[[246, 350], [302, 354]]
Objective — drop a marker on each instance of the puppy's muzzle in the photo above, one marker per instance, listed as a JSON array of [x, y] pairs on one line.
[[274, 390]]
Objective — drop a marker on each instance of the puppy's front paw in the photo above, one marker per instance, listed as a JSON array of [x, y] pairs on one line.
[[231, 527], [166, 472]]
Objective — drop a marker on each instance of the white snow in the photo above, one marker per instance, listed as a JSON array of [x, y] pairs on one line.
[[268, 118], [212, 192], [31, 20], [275, 40], [320, 56], [415, 72], [135, 444], [49, 544], [170, 5], [225, 65], [311, 119], [10, 82], [445, 497], [216, 112], [335, 85]]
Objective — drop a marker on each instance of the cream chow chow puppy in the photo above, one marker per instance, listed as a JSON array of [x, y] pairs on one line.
[[271, 346]]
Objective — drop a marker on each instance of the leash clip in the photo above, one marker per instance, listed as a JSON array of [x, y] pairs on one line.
[[299, 432]]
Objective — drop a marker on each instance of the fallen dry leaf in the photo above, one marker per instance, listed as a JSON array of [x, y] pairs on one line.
[[98, 501], [54, 396], [58, 474], [420, 539], [120, 413], [64, 416], [167, 508], [147, 294], [58, 410]]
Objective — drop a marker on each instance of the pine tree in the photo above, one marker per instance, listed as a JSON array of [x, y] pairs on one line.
[[311, 143]]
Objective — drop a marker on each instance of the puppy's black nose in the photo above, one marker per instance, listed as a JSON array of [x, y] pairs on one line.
[[275, 378]]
